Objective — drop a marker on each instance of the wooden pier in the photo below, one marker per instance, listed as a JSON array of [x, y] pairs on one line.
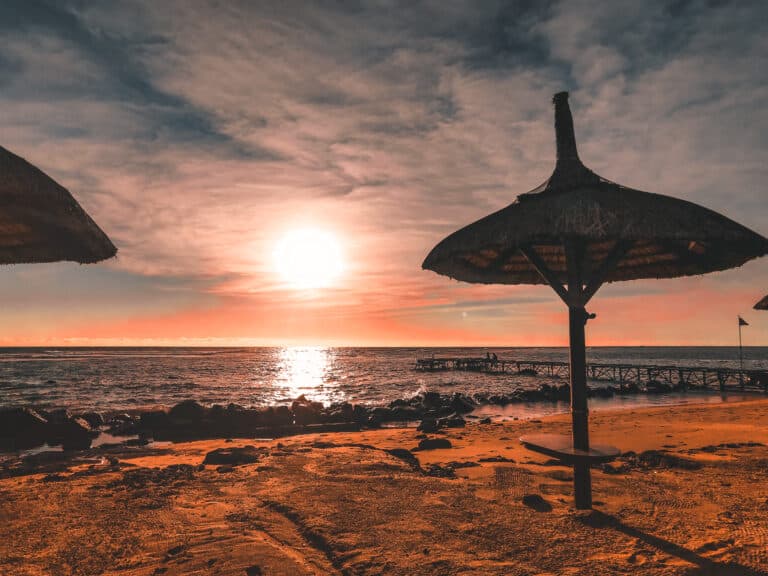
[[678, 377]]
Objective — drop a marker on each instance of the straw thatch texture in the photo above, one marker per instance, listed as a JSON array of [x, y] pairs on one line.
[[41, 222], [762, 305], [667, 237]]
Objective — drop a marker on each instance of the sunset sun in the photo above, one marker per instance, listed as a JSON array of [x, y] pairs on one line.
[[308, 258]]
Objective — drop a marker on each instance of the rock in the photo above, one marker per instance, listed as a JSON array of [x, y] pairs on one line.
[[122, 425], [306, 411], [360, 414], [496, 459], [468, 464], [431, 400], [22, 428], [340, 412], [461, 404], [94, 419], [405, 413], [57, 416], [663, 459], [486, 420], [606, 392], [438, 471], [76, 434], [656, 387], [233, 456], [452, 422], [405, 455], [223, 469], [154, 420], [434, 444], [253, 571], [188, 410], [428, 425], [611, 468], [537, 502]]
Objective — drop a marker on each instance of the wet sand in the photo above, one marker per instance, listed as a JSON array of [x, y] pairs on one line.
[[343, 504]]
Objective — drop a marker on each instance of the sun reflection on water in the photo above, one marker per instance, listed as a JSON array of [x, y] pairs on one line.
[[308, 371]]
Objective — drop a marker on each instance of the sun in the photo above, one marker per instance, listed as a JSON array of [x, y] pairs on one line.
[[308, 258]]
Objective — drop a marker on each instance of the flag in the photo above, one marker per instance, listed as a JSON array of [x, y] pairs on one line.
[[742, 322]]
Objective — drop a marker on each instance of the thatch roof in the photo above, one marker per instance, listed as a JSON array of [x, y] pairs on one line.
[[40, 221], [762, 305], [647, 235]]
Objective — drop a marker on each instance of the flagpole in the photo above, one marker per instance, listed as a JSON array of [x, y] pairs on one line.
[[741, 358]]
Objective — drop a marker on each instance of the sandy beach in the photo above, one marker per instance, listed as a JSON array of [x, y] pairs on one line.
[[689, 496]]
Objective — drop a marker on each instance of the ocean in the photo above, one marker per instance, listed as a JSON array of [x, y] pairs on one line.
[[109, 379]]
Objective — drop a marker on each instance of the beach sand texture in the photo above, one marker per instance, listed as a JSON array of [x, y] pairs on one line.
[[342, 504]]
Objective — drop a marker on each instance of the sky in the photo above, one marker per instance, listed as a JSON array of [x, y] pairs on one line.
[[201, 134]]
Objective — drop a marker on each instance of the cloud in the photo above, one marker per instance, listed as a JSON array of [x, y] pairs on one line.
[[197, 132]]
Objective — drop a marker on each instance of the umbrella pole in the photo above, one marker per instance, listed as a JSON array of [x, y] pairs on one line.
[[582, 481]]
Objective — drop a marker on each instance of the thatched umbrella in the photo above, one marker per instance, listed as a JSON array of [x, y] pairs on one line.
[[762, 305], [41, 222], [575, 232]]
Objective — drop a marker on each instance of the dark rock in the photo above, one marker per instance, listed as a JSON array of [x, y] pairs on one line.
[[656, 387], [188, 410], [486, 420], [461, 404], [434, 444], [94, 419], [663, 459], [223, 469], [405, 455], [437, 471], [428, 425], [141, 441], [154, 420], [75, 434], [457, 465], [57, 416], [22, 428], [614, 468], [340, 412], [537, 502], [603, 392], [496, 459], [432, 400], [630, 388], [452, 422], [306, 411], [253, 571], [233, 456], [406, 413], [122, 425]]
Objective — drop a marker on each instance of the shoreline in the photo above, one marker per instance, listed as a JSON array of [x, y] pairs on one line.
[[30, 430], [688, 496]]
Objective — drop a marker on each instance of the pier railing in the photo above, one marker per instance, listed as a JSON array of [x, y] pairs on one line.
[[678, 377]]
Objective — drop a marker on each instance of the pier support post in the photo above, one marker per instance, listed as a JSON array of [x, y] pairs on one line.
[[582, 480]]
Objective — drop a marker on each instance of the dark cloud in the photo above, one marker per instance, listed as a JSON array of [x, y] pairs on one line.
[[122, 78]]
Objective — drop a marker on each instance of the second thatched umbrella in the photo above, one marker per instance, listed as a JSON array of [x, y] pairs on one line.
[[762, 305], [579, 230], [41, 222]]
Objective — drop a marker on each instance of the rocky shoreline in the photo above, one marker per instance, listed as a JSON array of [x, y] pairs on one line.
[[26, 428]]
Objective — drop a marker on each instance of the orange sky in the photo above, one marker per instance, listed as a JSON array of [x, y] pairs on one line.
[[199, 138]]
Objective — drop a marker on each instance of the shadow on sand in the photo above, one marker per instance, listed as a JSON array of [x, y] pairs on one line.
[[704, 566]]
